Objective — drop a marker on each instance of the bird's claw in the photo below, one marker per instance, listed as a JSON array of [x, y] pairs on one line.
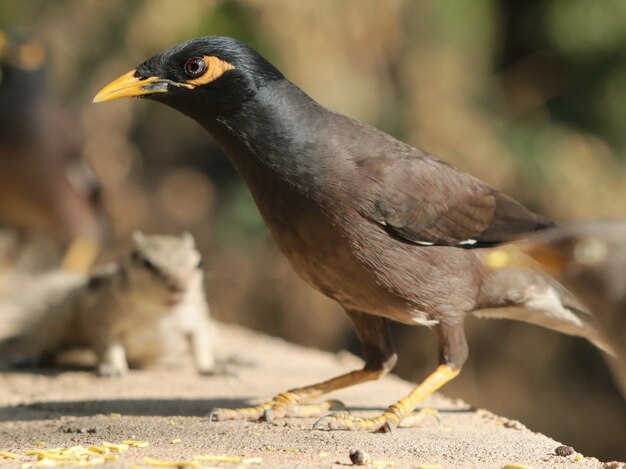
[[345, 421], [219, 414], [301, 410], [336, 404], [384, 423]]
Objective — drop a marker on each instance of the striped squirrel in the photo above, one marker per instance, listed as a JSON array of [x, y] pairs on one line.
[[137, 313]]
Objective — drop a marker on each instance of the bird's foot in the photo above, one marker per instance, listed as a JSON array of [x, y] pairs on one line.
[[384, 423], [285, 405]]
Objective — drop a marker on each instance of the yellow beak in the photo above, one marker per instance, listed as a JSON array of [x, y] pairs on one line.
[[128, 85]]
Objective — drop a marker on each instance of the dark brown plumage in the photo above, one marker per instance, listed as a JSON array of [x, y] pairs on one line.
[[385, 229]]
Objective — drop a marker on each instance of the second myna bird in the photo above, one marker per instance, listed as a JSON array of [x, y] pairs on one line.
[[45, 185]]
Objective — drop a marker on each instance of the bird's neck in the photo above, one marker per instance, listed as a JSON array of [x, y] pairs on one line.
[[275, 136]]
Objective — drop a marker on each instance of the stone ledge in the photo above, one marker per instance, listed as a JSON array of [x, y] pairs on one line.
[[69, 408]]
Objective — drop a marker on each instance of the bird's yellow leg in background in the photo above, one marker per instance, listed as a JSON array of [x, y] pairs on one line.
[[395, 413], [80, 255], [293, 403]]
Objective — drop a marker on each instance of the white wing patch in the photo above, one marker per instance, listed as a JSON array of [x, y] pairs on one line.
[[422, 318]]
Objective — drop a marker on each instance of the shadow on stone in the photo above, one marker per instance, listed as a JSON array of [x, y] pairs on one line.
[[126, 407]]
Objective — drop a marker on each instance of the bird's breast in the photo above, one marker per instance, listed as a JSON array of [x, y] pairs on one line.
[[317, 223]]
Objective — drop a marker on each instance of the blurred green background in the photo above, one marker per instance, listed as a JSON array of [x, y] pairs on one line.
[[529, 96]]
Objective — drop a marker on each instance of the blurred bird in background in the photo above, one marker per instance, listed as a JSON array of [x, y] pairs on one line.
[[46, 188]]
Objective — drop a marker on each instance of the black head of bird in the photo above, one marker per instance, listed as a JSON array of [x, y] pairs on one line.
[[205, 78], [387, 230]]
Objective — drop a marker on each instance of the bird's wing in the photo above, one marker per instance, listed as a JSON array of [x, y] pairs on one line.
[[427, 201]]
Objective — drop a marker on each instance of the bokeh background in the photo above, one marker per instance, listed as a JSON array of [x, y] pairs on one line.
[[529, 96]]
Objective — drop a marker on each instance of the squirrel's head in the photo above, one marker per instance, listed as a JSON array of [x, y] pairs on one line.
[[163, 268]]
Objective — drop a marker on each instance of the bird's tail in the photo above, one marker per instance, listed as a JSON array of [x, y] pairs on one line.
[[529, 295]]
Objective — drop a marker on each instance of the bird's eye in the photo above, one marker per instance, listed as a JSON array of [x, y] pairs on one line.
[[149, 265], [195, 67], [199, 265]]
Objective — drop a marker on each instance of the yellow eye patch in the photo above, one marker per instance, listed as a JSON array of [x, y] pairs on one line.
[[215, 68], [31, 55]]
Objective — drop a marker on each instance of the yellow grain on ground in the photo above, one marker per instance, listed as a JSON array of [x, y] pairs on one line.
[[516, 466], [429, 466], [98, 449], [41, 454], [175, 441], [77, 455], [114, 447], [136, 443], [8, 455], [73, 450]]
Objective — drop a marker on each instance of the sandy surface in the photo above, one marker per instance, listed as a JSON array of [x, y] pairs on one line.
[[68, 408]]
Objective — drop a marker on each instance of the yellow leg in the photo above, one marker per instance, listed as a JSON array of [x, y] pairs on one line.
[[289, 404], [394, 414], [80, 255], [373, 331]]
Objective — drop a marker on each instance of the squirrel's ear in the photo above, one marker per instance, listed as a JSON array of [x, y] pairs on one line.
[[138, 238], [188, 239]]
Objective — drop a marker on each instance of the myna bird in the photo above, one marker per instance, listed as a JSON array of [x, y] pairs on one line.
[[388, 231], [45, 185], [589, 258]]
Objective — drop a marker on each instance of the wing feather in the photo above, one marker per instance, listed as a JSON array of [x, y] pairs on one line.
[[425, 200]]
